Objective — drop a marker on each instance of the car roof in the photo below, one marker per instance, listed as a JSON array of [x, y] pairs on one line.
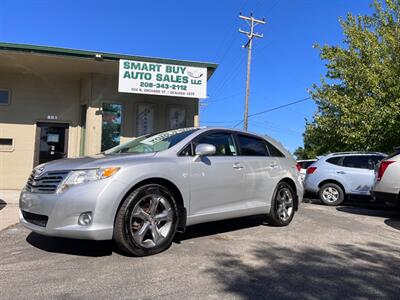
[[349, 153], [271, 140], [305, 160]]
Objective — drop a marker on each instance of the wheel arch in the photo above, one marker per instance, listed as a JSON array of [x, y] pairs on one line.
[[171, 187], [292, 184], [332, 181]]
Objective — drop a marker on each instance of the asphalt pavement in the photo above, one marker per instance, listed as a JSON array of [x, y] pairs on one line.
[[326, 253]]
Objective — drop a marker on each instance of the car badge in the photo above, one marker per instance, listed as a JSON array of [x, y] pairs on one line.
[[38, 172]]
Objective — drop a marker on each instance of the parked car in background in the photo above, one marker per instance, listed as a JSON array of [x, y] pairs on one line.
[[303, 164], [387, 180], [337, 175], [142, 192]]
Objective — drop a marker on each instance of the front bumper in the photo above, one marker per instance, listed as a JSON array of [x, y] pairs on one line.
[[63, 210]]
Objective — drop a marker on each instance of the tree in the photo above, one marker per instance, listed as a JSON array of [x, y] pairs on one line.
[[358, 100]]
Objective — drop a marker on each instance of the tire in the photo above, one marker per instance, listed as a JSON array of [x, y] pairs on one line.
[[282, 205], [331, 194], [147, 221]]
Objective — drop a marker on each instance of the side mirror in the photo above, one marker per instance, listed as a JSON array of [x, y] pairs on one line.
[[205, 149]]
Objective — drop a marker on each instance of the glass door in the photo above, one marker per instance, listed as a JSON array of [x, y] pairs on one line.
[[51, 142]]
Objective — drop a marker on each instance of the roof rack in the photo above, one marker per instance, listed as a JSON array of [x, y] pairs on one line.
[[356, 152]]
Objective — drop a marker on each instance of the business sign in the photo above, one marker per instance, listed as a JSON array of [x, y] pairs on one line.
[[162, 79]]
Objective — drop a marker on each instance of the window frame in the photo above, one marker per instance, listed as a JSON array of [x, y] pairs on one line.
[[122, 127], [8, 148], [212, 131], [8, 98], [237, 135], [353, 156]]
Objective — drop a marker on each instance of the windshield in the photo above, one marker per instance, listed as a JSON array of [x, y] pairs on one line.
[[153, 142]]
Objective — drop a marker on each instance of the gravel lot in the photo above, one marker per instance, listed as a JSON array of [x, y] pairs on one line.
[[326, 252]]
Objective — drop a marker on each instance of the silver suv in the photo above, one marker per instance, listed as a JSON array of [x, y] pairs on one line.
[[387, 180], [336, 175], [142, 192]]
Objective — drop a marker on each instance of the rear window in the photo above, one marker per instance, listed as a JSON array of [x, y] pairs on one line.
[[336, 160], [306, 164], [273, 151], [251, 146]]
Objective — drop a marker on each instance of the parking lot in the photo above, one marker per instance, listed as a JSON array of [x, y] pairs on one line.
[[327, 252]]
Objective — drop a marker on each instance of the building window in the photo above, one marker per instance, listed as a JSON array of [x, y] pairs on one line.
[[4, 97], [177, 117], [111, 126], [145, 119], [82, 124], [6, 144]]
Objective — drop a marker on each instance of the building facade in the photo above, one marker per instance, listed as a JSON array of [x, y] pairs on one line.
[[57, 103]]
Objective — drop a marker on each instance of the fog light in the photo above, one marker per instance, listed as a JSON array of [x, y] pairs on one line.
[[85, 219]]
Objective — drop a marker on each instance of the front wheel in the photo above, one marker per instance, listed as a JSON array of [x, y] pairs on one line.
[[282, 206], [147, 221]]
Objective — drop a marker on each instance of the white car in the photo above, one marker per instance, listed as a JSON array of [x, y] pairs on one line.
[[303, 164], [387, 180]]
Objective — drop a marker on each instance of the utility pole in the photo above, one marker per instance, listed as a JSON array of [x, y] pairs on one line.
[[253, 22]]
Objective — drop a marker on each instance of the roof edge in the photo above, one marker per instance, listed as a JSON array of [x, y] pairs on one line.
[[105, 55]]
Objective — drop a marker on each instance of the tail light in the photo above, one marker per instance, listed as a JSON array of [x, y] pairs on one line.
[[311, 170], [382, 168], [298, 166]]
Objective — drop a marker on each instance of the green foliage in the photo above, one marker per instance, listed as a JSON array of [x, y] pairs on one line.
[[359, 98]]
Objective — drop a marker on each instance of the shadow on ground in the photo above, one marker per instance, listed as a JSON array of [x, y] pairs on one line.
[[70, 246], [345, 271], [394, 223], [392, 215], [212, 228], [2, 204], [105, 248]]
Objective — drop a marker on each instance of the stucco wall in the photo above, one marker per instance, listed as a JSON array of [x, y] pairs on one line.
[[36, 96]]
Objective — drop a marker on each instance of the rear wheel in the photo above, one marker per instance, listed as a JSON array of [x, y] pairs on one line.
[[282, 206], [146, 222], [331, 194]]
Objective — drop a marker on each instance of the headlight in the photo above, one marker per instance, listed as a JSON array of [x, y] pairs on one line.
[[86, 176]]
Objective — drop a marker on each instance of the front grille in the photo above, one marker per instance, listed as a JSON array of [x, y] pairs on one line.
[[39, 220], [45, 183]]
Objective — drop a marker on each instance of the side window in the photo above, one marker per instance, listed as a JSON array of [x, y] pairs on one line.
[[357, 161], [187, 151], [273, 151], [251, 146], [373, 160], [223, 142], [336, 160]]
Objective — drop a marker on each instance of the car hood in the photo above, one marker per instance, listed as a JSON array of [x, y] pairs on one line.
[[94, 161]]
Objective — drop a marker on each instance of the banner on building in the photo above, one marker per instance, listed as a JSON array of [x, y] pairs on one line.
[[162, 79]]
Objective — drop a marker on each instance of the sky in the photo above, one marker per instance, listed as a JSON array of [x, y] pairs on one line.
[[284, 65]]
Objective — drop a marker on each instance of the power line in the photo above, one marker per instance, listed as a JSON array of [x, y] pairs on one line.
[[274, 108]]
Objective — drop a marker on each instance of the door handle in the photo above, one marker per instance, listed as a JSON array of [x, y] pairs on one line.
[[341, 172], [237, 166], [273, 164]]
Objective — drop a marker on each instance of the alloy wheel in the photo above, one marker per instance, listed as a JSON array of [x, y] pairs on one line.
[[151, 220], [330, 194], [284, 207]]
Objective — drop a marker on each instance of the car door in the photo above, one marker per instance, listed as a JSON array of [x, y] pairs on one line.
[[358, 172], [261, 171], [217, 185]]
